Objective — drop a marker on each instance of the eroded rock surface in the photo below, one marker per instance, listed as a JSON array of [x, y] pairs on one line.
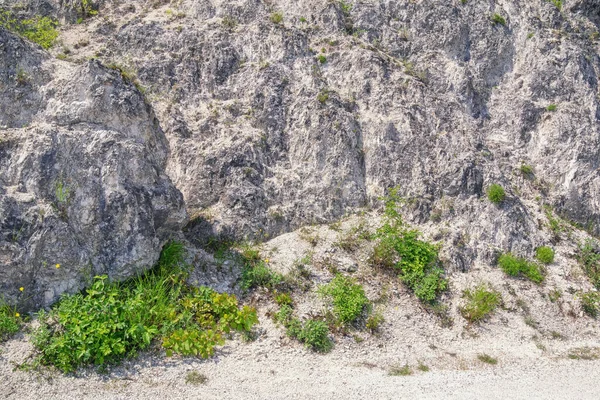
[[273, 124], [82, 176]]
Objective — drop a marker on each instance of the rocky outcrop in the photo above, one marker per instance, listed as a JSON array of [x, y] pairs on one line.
[[285, 113], [83, 189]]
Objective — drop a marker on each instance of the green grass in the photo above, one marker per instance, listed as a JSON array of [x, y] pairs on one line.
[[400, 371], [481, 302], [10, 321], [589, 258], [276, 18], [557, 3], [416, 260], [498, 19], [526, 170], [322, 59], [544, 254], [520, 267], [487, 359], [40, 30], [348, 298], [551, 107], [112, 321], [496, 194]]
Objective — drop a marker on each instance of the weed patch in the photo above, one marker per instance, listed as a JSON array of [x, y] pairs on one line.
[[10, 321], [111, 321], [348, 298], [40, 30], [481, 302], [402, 249], [516, 266]]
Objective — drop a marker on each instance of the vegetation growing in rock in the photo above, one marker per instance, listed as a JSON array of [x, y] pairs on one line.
[[498, 19], [40, 30], [256, 273], [496, 193], [481, 302], [10, 321], [517, 266], [590, 303], [313, 333], [545, 254], [348, 298], [589, 258], [111, 321], [401, 248]]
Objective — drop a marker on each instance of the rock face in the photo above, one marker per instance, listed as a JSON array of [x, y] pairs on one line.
[[82, 176], [282, 113]]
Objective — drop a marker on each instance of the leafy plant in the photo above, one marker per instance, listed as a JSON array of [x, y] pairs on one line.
[[315, 335], [111, 321], [40, 30], [347, 296], [590, 302], [496, 194], [481, 302], [10, 321], [516, 266], [323, 96], [589, 258], [416, 260], [321, 58], [551, 107], [545, 254], [256, 273]]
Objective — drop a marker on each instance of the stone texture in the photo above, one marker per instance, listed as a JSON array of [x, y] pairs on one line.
[[82, 177]]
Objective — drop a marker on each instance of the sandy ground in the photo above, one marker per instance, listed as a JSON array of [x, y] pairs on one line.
[[530, 336], [260, 371]]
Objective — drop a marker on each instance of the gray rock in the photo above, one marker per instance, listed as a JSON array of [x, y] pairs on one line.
[[84, 184]]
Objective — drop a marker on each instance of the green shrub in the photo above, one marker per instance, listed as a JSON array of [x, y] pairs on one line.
[[545, 254], [347, 296], [590, 302], [498, 19], [516, 266], [416, 260], [315, 335], [496, 193], [589, 258], [323, 96], [40, 30], [10, 321], [481, 302], [551, 107], [111, 321], [321, 58]]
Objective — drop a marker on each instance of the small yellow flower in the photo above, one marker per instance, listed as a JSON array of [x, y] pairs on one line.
[[17, 315], [266, 260], [21, 288], [57, 266]]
